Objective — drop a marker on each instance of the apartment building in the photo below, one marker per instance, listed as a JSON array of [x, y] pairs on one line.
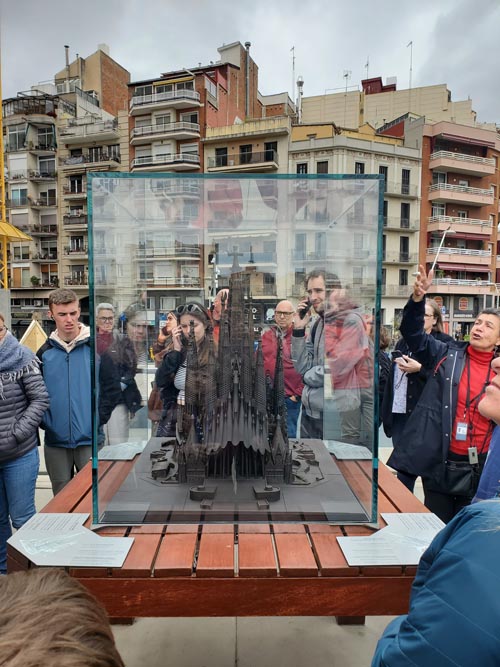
[[54, 134], [207, 119], [327, 149], [459, 216]]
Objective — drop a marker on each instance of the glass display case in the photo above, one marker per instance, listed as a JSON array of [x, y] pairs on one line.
[[235, 326]]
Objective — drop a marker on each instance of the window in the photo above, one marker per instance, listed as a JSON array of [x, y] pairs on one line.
[[357, 275], [300, 246], [359, 167], [405, 215], [384, 212], [246, 154], [19, 196], [463, 183], [383, 171], [76, 184], [46, 166], [320, 245], [438, 209], [189, 149], [302, 168], [48, 198], [221, 157], [162, 119], [404, 249], [384, 243], [167, 303], [46, 137], [322, 167], [271, 151], [114, 152], [403, 277], [190, 117], [211, 87], [21, 252], [95, 153], [462, 214], [438, 177], [405, 181], [16, 138], [384, 277]]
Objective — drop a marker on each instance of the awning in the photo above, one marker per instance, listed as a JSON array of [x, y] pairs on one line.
[[13, 233], [466, 140], [463, 267]]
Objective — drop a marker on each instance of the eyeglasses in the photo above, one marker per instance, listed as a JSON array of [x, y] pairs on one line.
[[283, 313], [106, 319], [190, 308], [429, 315]]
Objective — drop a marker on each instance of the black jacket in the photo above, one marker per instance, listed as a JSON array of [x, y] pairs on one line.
[[427, 433], [415, 387]]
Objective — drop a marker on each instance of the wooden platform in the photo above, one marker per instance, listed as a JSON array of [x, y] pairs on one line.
[[242, 570]]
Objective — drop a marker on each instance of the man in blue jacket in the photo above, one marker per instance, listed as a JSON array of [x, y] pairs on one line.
[[66, 370]]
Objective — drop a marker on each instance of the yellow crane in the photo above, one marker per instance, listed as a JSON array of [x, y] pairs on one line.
[[8, 233]]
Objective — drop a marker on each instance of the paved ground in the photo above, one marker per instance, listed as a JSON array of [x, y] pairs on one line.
[[244, 642]]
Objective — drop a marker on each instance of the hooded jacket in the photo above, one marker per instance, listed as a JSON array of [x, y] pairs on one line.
[[23, 399], [66, 371]]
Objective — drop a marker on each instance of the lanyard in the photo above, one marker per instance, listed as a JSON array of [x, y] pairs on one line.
[[468, 400]]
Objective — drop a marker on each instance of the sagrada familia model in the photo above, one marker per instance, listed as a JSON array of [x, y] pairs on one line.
[[233, 422]]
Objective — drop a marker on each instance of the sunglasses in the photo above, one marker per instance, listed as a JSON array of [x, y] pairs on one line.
[[190, 308]]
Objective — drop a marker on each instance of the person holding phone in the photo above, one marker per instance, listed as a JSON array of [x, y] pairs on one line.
[[402, 393], [171, 375]]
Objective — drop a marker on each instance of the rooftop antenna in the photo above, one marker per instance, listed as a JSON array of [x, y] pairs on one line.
[[410, 44], [292, 51], [300, 92], [367, 65], [347, 76]]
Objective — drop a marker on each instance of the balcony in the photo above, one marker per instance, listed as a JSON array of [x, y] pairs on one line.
[[41, 176], [171, 161], [145, 134], [439, 223], [80, 163], [177, 99], [401, 224], [42, 230], [41, 149], [460, 194], [181, 251], [13, 176], [76, 280], [89, 132], [462, 163], [75, 218], [396, 291], [254, 162], [463, 255], [458, 286], [70, 192], [178, 188], [18, 202], [45, 257], [401, 190], [400, 258], [44, 202], [76, 253], [181, 283]]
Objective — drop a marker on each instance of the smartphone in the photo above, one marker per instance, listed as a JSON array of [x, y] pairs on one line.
[[302, 312], [396, 354]]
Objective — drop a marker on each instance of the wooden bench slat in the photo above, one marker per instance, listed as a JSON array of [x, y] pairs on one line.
[[295, 556], [331, 559], [256, 555], [140, 558], [175, 556], [216, 555]]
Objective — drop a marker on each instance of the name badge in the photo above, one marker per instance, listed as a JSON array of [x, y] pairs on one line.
[[461, 432], [473, 458]]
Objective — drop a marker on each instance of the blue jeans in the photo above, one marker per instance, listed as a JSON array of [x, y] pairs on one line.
[[292, 415], [17, 497]]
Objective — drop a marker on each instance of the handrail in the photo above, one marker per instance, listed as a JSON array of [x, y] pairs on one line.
[[458, 251], [463, 157], [146, 130], [458, 281], [460, 188], [164, 97], [165, 158], [460, 221]]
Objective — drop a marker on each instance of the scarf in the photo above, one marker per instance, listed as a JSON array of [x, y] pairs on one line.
[[15, 361]]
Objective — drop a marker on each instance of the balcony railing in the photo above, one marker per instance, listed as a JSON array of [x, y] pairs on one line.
[[44, 202], [45, 256], [166, 158], [174, 282], [164, 128], [458, 251], [17, 176], [396, 290], [465, 189], [42, 175], [462, 282], [75, 219], [18, 202], [239, 159], [460, 221], [401, 223], [170, 96], [89, 159], [402, 189], [180, 251], [69, 250], [40, 230], [400, 257], [463, 157], [76, 279], [89, 129], [76, 192]]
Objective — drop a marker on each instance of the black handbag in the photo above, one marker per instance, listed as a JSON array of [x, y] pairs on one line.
[[461, 478]]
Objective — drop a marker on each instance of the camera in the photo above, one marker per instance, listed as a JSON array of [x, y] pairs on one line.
[[302, 312]]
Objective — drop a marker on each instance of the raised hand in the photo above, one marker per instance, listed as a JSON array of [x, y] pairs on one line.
[[422, 283]]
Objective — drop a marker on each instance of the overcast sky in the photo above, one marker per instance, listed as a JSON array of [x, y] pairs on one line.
[[454, 41]]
